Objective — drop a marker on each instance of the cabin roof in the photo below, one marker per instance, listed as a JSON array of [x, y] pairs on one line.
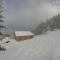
[[23, 33]]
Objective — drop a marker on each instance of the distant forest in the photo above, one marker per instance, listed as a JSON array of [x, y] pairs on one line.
[[51, 24]]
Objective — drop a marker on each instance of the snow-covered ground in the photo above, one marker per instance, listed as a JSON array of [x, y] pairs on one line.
[[41, 47]]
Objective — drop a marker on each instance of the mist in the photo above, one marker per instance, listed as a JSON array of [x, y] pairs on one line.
[[27, 14]]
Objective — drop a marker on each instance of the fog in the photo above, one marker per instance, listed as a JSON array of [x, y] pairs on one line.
[[27, 14]]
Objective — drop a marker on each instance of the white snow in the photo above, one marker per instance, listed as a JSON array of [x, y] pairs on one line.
[[23, 33], [41, 47]]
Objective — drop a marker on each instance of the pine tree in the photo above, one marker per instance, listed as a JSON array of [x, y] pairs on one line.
[[1, 16], [1, 21]]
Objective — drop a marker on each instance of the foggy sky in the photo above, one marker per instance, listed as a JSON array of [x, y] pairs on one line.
[[27, 14]]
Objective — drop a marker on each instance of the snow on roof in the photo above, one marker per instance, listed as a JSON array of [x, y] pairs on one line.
[[23, 33]]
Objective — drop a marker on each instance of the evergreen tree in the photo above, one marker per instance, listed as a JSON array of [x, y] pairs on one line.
[[1, 16], [1, 21]]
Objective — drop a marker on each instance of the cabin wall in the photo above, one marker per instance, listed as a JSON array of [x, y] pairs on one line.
[[18, 38]]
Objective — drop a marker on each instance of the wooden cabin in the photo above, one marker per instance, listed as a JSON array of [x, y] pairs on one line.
[[23, 35]]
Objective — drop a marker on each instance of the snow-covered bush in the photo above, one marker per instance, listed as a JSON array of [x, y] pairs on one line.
[[2, 48]]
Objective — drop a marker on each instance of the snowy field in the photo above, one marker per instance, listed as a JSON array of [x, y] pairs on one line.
[[41, 47]]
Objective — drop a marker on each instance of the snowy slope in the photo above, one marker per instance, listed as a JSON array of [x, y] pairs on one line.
[[42, 47]]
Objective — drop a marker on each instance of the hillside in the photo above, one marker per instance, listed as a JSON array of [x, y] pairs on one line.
[[50, 25], [41, 47]]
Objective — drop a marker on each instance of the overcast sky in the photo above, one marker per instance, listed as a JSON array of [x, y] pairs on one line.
[[27, 14]]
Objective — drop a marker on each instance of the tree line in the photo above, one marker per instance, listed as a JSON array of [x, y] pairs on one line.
[[51, 24]]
